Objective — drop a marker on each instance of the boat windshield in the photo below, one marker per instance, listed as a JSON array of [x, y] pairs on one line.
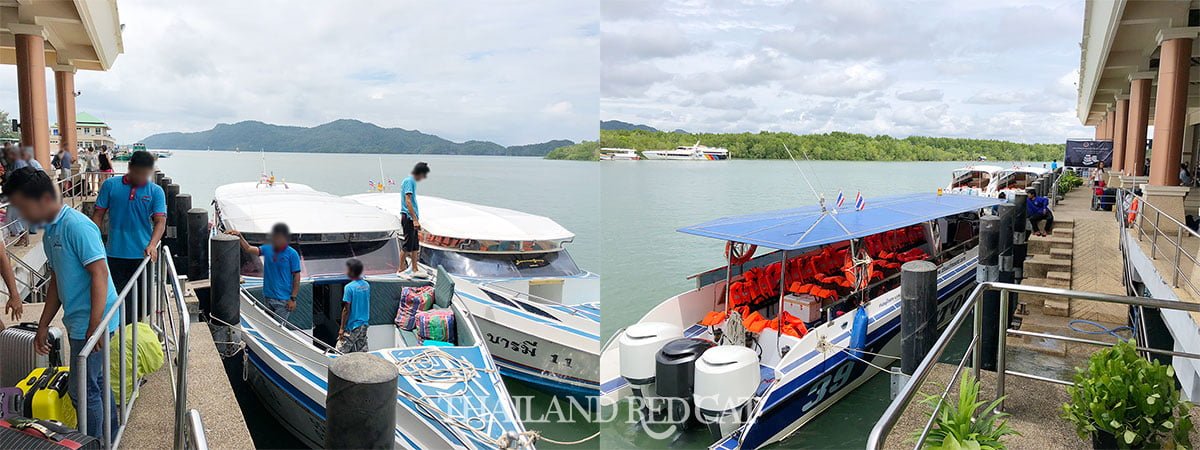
[[378, 257], [502, 265]]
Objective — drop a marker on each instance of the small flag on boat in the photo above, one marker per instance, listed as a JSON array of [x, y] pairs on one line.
[[859, 202], [841, 200]]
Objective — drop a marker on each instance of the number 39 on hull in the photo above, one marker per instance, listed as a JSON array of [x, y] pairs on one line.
[[763, 345]]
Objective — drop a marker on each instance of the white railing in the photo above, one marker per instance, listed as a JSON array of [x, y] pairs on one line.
[[155, 283], [1148, 223]]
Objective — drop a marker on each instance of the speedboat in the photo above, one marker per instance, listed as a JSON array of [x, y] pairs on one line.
[[619, 154], [972, 180], [450, 394], [538, 310], [695, 152], [765, 343], [1014, 179]]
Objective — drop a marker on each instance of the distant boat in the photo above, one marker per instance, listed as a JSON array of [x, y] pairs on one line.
[[973, 180], [619, 154], [695, 152]]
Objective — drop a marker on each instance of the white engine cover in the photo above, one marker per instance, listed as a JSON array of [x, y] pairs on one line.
[[639, 345], [726, 378]]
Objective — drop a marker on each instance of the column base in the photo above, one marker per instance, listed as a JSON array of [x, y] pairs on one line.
[[1130, 181], [1169, 202]]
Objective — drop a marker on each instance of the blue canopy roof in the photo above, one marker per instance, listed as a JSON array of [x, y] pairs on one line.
[[806, 227]]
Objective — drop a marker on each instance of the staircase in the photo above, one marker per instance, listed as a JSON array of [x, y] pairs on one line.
[[1049, 264]]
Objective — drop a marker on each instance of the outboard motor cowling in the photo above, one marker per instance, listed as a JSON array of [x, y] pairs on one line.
[[727, 376], [639, 345], [675, 371]]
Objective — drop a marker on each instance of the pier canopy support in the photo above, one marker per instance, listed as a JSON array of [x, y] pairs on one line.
[[1120, 130], [1138, 121], [64, 100], [31, 89]]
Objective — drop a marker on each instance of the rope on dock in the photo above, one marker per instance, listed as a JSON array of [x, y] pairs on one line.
[[1099, 328], [538, 436]]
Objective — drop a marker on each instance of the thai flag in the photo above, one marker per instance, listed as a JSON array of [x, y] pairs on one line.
[[859, 202], [841, 200]]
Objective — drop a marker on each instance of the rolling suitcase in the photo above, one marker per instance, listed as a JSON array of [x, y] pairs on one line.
[[12, 402], [23, 433], [46, 395], [16, 344]]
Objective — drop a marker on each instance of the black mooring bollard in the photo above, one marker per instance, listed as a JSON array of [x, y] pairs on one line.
[[197, 247], [158, 177], [1020, 236], [183, 203], [360, 404], [1007, 272], [988, 269], [226, 261], [918, 313], [170, 192]]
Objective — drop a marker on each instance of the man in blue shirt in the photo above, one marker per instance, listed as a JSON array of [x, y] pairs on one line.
[[1039, 213], [137, 218], [281, 269], [356, 312], [410, 219], [79, 283], [1054, 165], [64, 171]]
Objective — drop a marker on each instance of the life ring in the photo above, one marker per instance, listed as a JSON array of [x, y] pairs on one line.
[[851, 269], [739, 253]]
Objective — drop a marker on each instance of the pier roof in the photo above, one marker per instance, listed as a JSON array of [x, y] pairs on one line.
[[810, 226], [85, 34]]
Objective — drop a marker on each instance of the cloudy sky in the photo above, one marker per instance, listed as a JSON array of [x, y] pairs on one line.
[[995, 69], [513, 72]]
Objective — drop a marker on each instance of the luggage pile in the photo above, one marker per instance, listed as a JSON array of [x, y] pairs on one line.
[[418, 312], [36, 411]]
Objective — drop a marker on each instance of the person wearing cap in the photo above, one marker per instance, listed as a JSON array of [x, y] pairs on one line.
[[410, 220], [1040, 215], [137, 219]]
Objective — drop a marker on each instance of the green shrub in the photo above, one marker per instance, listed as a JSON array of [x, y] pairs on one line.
[[1068, 181], [969, 423], [1135, 400]]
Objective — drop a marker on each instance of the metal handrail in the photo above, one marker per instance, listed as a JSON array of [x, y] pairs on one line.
[[974, 305], [1145, 207], [148, 280], [197, 440]]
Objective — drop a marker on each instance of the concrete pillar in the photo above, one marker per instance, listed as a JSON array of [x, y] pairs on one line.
[[1102, 128], [64, 90], [31, 89], [1119, 132], [1170, 109], [1138, 123]]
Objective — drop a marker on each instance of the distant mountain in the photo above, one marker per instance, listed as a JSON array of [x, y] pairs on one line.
[[339, 136], [626, 126]]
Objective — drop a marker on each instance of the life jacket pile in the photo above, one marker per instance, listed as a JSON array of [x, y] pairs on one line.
[[820, 275]]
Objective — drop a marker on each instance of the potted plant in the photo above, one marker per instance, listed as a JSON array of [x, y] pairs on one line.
[[1121, 400], [968, 424]]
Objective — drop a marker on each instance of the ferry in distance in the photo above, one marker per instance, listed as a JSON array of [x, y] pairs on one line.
[[695, 152]]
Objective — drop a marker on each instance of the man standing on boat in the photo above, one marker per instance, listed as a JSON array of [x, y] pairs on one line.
[[137, 216], [356, 310], [281, 269], [410, 219], [79, 283]]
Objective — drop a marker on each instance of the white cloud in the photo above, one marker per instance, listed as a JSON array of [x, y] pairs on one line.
[[479, 70], [997, 70]]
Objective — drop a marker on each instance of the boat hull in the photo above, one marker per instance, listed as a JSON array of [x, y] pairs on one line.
[[807, 395], [553, 348]]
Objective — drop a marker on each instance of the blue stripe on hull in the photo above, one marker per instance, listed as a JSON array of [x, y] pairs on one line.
[[783, 412]]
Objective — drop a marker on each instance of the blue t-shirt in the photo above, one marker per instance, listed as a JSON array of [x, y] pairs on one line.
[[409, 186], [130, 212], [72, 241], [277, 271], [1036, 205], [64, 161], [358, 294], [1053, 165]]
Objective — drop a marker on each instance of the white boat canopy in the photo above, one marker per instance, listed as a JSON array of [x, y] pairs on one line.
[[462, 220], [977, 168], [255, 207]]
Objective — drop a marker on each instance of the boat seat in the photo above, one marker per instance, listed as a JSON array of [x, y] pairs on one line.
[[408, 337]]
